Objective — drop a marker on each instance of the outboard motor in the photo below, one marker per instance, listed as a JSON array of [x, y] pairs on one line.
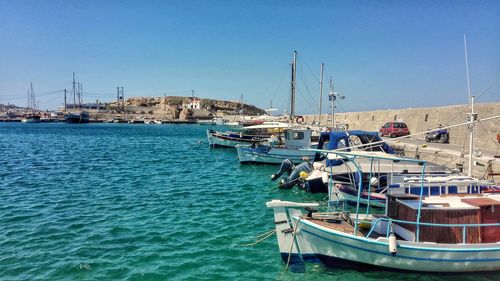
[[286, 167], [294, 173]]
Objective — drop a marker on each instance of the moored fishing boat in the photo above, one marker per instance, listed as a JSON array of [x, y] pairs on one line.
[[217, 121], [247, 136], [416, 233], [31, 118], [231, 139], [294, 148], [322, 168], [433, 185]]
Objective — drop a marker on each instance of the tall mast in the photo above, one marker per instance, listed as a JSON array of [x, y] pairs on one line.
[[65, 104], [472, 118], [33, 97], [321, 90], [74, 92], [78, 93], [472, 115], [29, 101], [293, 85], [332, 99]]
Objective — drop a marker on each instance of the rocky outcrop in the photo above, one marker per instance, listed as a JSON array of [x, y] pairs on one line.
[[216, 107]]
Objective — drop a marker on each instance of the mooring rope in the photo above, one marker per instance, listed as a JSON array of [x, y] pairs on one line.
[[264, 236], [293, 242]]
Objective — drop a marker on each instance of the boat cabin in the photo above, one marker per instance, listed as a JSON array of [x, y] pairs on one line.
[[433, 184], [362, 140], [297, 138], [446, 210]]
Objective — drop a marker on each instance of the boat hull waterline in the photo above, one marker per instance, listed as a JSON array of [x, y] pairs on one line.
[[216, 139], [315, 242], [273, 156]]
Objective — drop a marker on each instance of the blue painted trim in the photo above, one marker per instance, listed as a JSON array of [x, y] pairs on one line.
[[398, 255], [296, 258], [372, 241]]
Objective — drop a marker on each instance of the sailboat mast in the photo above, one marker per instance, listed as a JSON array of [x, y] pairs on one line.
[[293, 86], [471, 136], [80, 96], [74, 92], [472, 115], [332, 98], [29, 101], [321, 90], [33, 101]]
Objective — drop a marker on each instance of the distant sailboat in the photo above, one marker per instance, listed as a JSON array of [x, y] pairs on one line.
[[82, 117], [76, 117], [32, 116]]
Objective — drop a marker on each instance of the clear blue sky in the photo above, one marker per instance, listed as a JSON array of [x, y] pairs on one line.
[[381, 54]]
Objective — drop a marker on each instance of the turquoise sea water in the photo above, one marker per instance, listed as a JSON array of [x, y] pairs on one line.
[[141, 202]]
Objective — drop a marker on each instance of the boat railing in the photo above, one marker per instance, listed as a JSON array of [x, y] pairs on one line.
[[390, 221]]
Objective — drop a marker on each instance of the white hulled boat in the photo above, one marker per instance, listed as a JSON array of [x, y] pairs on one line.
[[247, 136], [294, 148], [416, 233]]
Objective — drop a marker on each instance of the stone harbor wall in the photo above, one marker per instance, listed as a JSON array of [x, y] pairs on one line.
[[422, 119]]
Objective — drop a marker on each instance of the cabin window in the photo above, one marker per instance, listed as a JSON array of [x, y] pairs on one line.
[[341, 143], [355, 140], [298, 135]]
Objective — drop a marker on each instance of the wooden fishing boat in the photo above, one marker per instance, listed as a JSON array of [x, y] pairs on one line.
[[416, 232], [294, 148], [247, 136]]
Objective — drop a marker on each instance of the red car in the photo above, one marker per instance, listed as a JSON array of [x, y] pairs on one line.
[[394, 129]]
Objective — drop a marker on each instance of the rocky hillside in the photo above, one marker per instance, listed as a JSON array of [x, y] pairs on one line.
[[169, 103]]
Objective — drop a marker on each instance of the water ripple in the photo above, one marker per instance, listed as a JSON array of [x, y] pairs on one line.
[[137, 202]]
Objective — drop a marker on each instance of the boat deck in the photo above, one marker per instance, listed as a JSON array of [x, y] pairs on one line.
[[342, 226]]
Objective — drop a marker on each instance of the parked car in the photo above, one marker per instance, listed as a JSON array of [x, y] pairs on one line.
[[394, 129]]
